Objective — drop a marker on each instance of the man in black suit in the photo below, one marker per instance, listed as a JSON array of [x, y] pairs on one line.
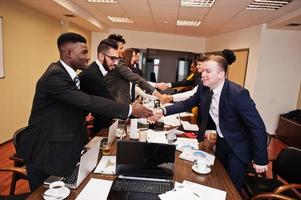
[[242, 137], [92, 79], [56, 134]]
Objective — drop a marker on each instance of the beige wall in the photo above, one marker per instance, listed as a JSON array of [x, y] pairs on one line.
[[29, 43], [143, 40]]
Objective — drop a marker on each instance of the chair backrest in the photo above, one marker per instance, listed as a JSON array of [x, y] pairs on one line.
[[288, 164], [16, 137]]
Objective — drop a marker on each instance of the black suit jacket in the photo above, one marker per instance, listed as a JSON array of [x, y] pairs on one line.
[[118, 82], [92, 82], [56, 133], [240, 122]]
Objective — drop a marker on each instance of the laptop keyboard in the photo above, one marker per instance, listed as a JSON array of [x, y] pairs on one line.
[[142, 186], [72, 178]]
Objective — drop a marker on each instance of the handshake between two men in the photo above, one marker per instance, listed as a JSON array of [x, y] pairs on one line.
[[140, 111]]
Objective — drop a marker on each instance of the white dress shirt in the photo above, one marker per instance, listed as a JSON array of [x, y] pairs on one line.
[[214, 107], [101, 68]]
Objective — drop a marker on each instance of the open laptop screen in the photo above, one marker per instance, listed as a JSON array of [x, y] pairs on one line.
[[151, 160]]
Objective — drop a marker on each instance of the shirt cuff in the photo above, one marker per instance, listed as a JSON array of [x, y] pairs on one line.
[[169, 85], [130, 111]]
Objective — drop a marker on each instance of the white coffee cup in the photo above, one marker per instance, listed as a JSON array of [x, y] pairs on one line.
[[200, 165], [56, 188]]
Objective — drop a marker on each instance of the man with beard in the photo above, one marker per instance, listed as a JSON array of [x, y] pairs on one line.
[[55, 136], [92, 79]]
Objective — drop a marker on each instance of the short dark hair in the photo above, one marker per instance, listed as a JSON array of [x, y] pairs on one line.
[[221, 61], [70, 37], [105, 44], [117, 37], [202, 58]]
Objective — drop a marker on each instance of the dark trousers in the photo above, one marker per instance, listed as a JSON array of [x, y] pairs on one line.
[[35, 177], [233, 165]]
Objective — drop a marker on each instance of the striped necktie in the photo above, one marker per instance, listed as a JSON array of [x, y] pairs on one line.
[[77, 82]]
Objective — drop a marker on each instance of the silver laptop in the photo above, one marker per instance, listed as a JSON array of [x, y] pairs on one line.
[[87, 163]]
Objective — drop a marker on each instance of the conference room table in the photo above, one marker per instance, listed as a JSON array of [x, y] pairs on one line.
[[217, 178]]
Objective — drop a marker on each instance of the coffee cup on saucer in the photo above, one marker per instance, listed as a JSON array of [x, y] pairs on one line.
[[56, 188]]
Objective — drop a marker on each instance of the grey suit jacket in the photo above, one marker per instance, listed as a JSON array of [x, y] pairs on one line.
[[118, 82], [56, 133]]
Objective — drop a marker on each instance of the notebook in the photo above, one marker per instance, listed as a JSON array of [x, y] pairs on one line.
[[144, 170], [86, 164]]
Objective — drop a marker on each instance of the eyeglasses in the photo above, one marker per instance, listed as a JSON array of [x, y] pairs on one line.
[[113, 58]]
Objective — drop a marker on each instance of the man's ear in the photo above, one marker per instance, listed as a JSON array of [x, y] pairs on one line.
[[221, 74], [101, 57]]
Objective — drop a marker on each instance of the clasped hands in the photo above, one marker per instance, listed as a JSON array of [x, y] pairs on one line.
[[140, 111]]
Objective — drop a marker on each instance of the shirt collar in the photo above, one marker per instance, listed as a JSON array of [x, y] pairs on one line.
[[70, 71], [101, 68], [217, 91]]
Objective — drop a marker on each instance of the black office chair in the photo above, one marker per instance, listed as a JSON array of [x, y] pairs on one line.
[[18, 162], [251, 170], [286, 166]]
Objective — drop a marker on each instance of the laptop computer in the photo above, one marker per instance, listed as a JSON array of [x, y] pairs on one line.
[[144, 170], [86, 164]]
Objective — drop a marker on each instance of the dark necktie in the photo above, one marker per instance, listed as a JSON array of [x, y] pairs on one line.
[[77, 82], [205, 116]]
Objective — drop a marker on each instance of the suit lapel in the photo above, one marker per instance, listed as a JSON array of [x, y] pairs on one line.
[[223, 96]]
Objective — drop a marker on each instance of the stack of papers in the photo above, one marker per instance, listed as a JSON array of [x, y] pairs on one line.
[[193, 155], [189, 127], [96, 189], [106, 165], [193, 191], [186, 143]]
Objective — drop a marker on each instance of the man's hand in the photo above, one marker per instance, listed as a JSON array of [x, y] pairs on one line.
[[260, 168], [162, 86], [157, 114], [166, 98], [140, 111]]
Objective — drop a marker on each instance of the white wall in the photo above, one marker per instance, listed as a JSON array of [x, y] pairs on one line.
[[278, 75], [244, 38], [143, 40]]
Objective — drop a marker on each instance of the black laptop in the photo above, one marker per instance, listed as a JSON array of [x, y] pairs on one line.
[[144, 170]]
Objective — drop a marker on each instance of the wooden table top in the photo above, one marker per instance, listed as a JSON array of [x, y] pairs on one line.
[[217, 178]]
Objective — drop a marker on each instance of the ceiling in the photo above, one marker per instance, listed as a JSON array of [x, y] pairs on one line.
[[161, 15]]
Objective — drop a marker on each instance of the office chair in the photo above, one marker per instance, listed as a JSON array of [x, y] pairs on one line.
[[18, 162], [271, 196], [21, 172], [286, 166], [251, 170]]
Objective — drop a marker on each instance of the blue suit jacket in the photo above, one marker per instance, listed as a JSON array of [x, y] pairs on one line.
[[240, 122]]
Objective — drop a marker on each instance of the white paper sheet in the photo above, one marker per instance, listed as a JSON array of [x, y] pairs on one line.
[[172, 120], [186, 114], [189, 127], [206, 192], [96, 189], [107, 165], [156, 136], [193, 155], [184, 143]]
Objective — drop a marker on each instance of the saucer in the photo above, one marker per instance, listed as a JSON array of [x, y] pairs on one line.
[[64, 193], [206, 171]]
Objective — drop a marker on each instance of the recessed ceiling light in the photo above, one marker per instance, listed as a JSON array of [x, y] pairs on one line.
[[267, 4], [120, 19], [197, 3], [102, 1], [165, 22], [188, 23]]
